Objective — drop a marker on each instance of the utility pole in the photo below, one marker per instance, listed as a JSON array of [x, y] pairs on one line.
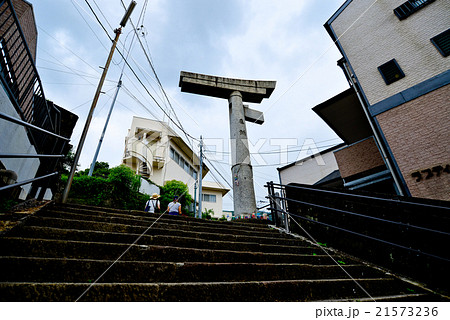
[[200, 178], [119, 84], [195, 198], [94, 102]]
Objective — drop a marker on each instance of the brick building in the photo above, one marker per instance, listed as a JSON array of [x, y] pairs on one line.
[[395, 118]]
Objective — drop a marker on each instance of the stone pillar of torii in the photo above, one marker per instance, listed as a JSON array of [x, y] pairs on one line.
[[236, 91]]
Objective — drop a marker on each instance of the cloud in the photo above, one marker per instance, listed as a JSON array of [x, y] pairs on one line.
[[256, 39]]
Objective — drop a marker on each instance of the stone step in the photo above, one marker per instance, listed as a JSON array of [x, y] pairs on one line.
[[61, 251], [81, 227], [124, 227], [150, 218], [90, 210], [30, 269], [248, 291], [111, 251], [417, 297], [31, 232]]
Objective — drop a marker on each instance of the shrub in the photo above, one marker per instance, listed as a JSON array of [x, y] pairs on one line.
[[117, 187], [175, 188], [207, 214], [124, 184]]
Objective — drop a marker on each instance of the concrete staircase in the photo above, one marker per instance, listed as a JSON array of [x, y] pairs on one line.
[[63, 250]]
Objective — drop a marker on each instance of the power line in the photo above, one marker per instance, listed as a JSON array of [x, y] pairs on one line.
[[101, 12], [281, 151], [137, 77], [71, 51], [75, 72], [98, 20], [95, 34], [157, 79]]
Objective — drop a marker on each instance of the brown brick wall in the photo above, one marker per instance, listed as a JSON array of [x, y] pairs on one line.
[[358, 158], [25, 14], [418, 134]]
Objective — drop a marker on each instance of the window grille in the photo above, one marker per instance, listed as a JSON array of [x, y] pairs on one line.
[[391, 71], [409, 7], [442, 43]]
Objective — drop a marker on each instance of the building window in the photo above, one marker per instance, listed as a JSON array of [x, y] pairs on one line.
[[442, 43], [175, 156], [391, 71], [409, 7], [209, 197]]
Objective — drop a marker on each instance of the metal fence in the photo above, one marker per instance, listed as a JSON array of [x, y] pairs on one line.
[[20, 80], [407, 235]]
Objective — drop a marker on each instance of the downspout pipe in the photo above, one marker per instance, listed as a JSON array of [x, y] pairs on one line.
[[381, 147]]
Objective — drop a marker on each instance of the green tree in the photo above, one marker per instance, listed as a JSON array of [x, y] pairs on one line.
[[175, 188], [68, 160], [101, 169], [124, 184]]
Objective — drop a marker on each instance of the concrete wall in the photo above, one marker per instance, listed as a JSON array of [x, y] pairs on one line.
[[379, 36], [418, 134], [358, 158], [148, 188], [14, 139], [309, 170]]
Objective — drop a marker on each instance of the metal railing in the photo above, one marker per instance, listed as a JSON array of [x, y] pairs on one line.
[[406, 235], [21, 82]]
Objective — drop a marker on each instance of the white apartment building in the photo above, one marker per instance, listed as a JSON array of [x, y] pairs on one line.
[[212, 198], [155, 151]]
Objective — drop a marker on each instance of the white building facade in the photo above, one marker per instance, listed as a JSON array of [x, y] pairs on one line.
[[155, 151], [212, 198]]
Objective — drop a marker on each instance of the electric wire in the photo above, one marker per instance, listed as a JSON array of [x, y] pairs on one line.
[[179, 126], [101, 12], [67, 72], [158, 81], [86, 23], [285, 150], [138, 78], [71, 69], [70, 50]]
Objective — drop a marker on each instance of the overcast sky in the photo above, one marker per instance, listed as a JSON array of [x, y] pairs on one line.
[[281, 40]]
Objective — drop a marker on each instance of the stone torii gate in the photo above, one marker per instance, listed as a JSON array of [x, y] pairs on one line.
[[236, 91]]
